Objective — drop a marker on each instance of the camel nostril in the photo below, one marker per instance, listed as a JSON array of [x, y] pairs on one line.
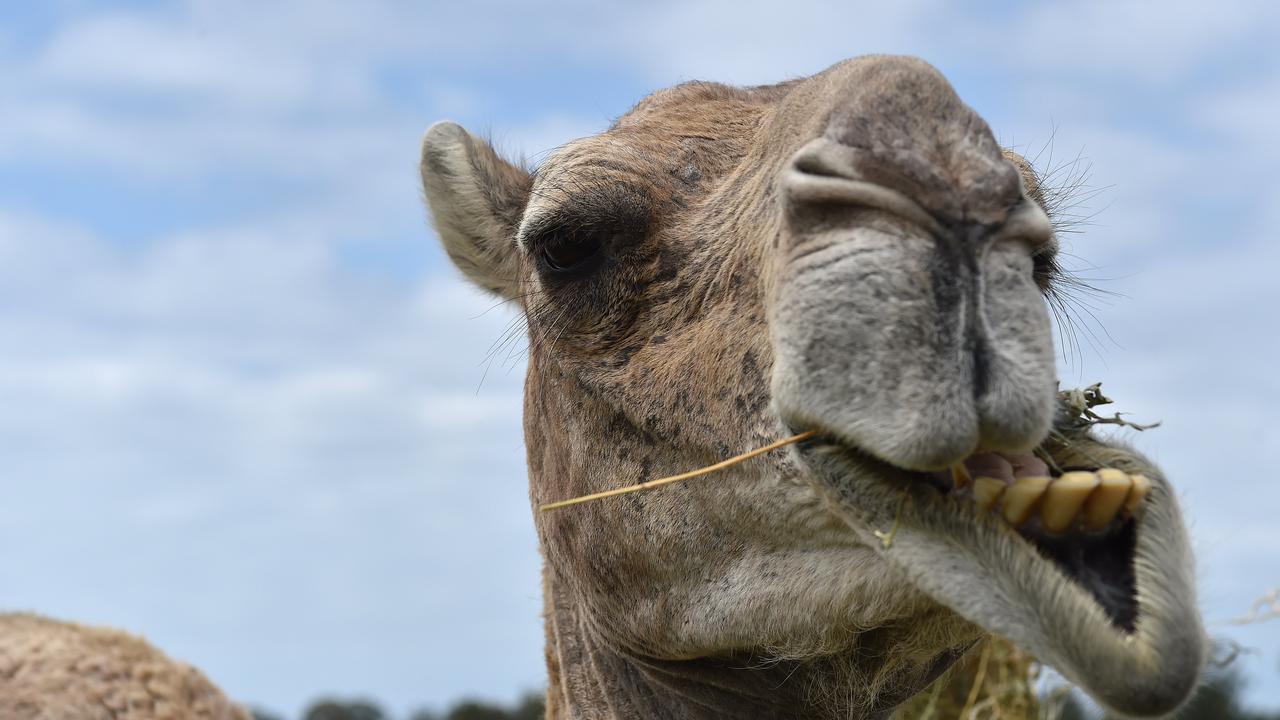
[[813, 161], [826, 181]]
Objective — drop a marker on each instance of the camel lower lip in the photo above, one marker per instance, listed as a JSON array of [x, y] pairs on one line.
[[1112, 610], [1075, 518]]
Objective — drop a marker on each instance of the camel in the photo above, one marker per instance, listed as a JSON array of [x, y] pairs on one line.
[[850, 255], [53, 670]]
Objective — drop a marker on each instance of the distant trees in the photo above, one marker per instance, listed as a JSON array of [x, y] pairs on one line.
[[1218, 699], [530, 707], [339, 710]]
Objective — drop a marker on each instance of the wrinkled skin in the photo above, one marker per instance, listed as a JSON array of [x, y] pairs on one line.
[[851, 254]]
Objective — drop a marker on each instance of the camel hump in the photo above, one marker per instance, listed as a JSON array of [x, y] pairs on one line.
[[54, 669]]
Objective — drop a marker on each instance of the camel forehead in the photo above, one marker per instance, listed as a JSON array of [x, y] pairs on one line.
[[696, 103], [721, 119], [713, 110], [664, 122], [676, 144]]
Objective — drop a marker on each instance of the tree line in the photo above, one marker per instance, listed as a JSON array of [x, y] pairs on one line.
[[1219, 698], [530, 707]]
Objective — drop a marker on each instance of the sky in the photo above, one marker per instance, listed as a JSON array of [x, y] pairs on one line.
[[248, 411]]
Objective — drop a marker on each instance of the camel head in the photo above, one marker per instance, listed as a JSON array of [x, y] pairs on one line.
[[851, 254]]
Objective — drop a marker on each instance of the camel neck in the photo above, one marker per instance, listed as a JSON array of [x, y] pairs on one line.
[[588, 680]]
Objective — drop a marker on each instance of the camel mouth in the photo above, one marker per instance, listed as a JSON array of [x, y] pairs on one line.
[[1082, 520], [1085, 566]]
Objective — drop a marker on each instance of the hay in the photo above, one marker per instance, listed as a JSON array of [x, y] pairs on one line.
[[995, 681], [682, 476]]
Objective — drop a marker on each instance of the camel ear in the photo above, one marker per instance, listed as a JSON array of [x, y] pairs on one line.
[[476, 199]]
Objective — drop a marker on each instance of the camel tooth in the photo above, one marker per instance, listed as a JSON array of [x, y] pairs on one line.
[[1020, 498], [960, 476], [1064, 498], [1138, 493], [1101, 507], [986, 491]]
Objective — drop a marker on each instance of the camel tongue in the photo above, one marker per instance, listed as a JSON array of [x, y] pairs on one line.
[[1005, 466]]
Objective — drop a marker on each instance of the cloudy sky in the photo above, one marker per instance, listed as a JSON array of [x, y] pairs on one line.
[[247, 409]]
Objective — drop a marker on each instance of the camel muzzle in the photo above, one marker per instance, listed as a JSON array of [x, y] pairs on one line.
[[912, 337], [917, 338]]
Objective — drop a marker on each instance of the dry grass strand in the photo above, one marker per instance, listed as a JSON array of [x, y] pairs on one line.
[[682, 476]]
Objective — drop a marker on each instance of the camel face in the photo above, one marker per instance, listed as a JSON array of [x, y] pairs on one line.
[[852, 254]]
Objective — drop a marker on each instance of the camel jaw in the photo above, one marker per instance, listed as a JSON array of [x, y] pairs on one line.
[[1123, 624]]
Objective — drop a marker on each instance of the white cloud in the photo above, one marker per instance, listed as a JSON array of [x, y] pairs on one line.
[[289, 471], [103, 53], [756, 42], [1126, 41], [217, 430]]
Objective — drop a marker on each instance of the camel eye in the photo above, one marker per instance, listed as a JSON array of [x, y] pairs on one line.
[[568, 252], [580, 236]]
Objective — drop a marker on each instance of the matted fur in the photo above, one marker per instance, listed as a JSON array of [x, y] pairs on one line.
[[850, 253]]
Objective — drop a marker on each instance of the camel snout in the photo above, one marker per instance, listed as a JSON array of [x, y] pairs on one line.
[[916, 337]]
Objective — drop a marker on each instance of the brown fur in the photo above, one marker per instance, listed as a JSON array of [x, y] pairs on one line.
[[767, 260], [51, 670]]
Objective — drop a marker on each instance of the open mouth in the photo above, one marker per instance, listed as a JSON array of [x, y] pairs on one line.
[[1082, 519], [1076, 553]]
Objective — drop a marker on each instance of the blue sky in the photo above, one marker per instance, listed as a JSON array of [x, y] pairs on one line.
[[241, 398]]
